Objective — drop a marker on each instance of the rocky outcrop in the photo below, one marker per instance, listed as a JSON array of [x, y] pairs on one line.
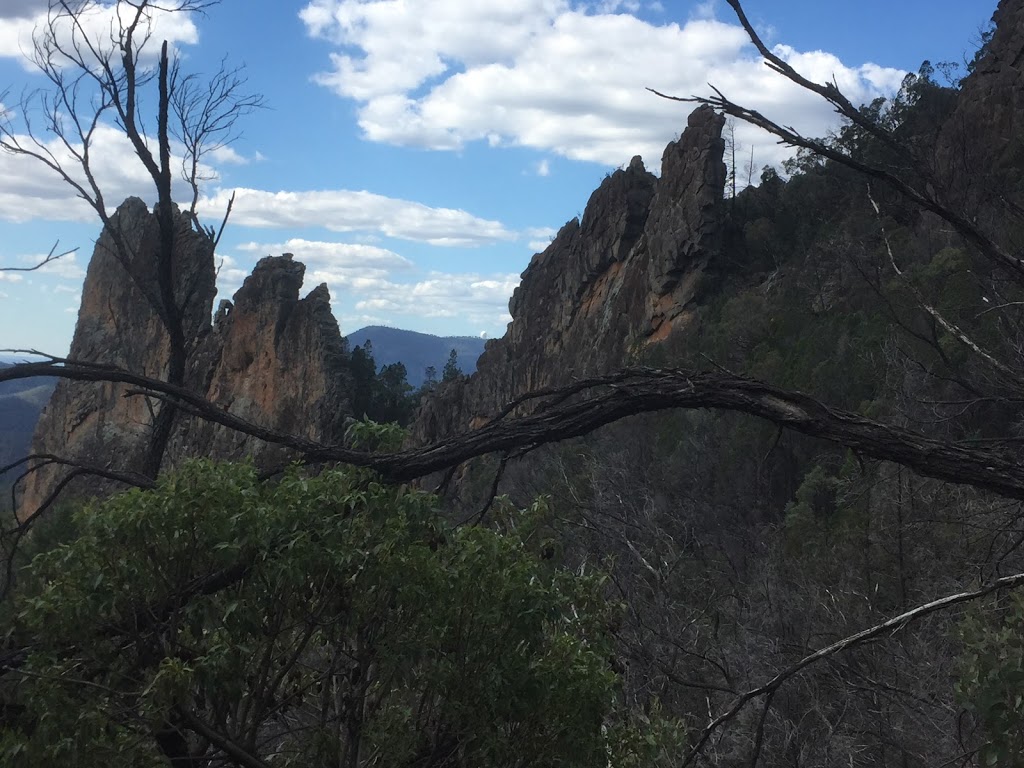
[[622, 278], [274, 359], [986, 130], [270, 357], [94, 422]]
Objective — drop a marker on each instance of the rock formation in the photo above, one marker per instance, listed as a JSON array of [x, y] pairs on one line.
[[633, 270], [986, 130], [270, 357], [621, 279], [273, 359], [94, 422]]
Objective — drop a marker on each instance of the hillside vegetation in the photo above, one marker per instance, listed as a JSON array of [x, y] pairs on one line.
[[684, 586]]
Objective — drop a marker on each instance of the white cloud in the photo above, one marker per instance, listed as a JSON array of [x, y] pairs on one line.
[[32, 191], [564, 78], [343, 266], [373, 285], [66, 267], [339, 255], [227, 155], [473, 298], [342, 210], [705, 9], [540, 237], [20, 21], [230, 275], [544, 168], [10, 277]]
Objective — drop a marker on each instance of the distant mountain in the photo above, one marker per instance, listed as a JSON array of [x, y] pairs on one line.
[[20, 405], [417, 351]]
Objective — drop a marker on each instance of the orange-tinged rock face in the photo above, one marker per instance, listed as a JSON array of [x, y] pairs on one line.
[[276, 360], [272, 358], [117, 324]]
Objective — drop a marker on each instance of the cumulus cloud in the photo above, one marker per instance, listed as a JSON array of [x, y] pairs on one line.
[[341, 265], [66, 266], [342, 210], [230, 274], [552, 75], [20, 21], [338, 255], [474, 298], [540, 237], [32, 191], [370, 284], [227, 155]]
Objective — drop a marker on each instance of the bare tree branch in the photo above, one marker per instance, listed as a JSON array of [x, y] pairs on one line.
[[222, 742], [924, 198], [17, 534], [600, 401], [50, 257], [1012, 377], [890, 626]]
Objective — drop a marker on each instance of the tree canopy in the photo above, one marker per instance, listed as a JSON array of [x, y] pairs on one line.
[[327, 620]]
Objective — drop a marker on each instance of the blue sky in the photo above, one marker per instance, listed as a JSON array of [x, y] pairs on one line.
[[416, 153]]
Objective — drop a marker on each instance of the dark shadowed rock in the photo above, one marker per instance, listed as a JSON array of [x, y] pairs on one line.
[[608, 285], [981, 148]]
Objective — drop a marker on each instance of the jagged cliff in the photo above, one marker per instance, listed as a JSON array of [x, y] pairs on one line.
[[643, 256], [94, 422], [622, 278], [272, 358], [268, 356], [981, 148]]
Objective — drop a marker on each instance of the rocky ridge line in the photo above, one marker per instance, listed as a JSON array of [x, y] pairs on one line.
[[621, 279]]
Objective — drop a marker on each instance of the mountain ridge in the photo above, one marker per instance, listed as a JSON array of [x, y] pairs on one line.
[[417, 350]]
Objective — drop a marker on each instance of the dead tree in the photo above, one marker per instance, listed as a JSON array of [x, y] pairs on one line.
[[99, 80]]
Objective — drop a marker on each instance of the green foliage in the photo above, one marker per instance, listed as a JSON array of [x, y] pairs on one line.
[[984, 39], [370, 436], [451, 367], [382, 396], [991, 678], [815, 503], [319, 619]]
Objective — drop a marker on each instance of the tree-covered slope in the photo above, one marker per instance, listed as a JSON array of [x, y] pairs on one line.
[[418, 351]]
